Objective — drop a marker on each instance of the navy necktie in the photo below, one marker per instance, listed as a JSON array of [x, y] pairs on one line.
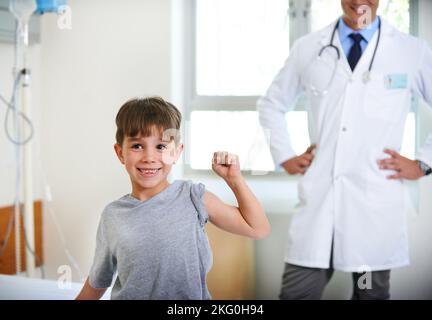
[[355, 51]]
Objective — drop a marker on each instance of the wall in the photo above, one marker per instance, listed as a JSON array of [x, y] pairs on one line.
[[115, 50]]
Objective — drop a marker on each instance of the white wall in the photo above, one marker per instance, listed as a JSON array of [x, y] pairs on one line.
[[115, 50]]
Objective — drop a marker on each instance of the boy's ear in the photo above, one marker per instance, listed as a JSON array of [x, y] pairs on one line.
[[179, 151], [180, 148], [119, 152]]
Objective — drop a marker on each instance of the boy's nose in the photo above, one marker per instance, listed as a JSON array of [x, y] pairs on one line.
[[148, 156]]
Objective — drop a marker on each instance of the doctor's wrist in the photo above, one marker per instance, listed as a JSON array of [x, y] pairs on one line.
[[424, 168]]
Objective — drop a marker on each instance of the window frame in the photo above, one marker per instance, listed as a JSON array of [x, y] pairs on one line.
[[300, 24], [205, 102]]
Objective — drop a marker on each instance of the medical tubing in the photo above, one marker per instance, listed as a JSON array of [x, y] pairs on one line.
[[17, 49]]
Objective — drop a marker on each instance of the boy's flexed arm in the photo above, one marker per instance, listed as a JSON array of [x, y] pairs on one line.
[[248, 218], [90, 293]]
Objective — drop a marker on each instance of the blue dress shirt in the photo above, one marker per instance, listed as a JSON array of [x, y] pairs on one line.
[[345, 31]]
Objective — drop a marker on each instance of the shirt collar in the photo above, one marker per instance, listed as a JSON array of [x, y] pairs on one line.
[[367, 33]]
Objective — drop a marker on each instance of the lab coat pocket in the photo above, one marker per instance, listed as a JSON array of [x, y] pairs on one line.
[[383, 192], [384, 103]]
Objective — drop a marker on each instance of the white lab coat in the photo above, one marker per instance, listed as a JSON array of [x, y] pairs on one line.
[[345, 199]]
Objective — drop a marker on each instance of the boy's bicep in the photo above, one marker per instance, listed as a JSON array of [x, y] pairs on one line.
[[225, 216], [214, 206]]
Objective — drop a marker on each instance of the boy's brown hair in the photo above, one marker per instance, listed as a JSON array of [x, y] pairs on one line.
[[144, 116]]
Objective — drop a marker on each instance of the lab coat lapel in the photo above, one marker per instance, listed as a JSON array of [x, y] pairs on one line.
[[343, 66], [366, 58], [343, 61], [364, 62], [325, 42]]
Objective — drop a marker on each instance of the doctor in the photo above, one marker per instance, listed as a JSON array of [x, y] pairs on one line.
[[359, 75]]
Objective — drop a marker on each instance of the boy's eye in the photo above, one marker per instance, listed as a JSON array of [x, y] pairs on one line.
[[136, 146], [161, 146]]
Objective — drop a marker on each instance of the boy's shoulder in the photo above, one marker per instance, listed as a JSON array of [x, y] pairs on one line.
[[125, 202], [196, 191], [192, 187]]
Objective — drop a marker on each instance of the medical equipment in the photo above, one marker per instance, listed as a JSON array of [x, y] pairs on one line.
[[22, 10], [45, 6], [366, 75]]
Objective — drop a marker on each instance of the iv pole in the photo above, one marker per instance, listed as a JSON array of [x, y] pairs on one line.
[[22, 10]]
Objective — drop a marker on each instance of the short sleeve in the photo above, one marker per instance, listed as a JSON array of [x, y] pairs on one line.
[[197, 196], [103, 268]]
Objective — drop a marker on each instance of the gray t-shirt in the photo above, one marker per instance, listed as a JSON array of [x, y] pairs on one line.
[[158, 247]]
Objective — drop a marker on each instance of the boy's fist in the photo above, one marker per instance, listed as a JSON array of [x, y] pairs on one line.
[[226, 165]]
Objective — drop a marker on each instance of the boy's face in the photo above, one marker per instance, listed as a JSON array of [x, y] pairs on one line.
[[148, 161]]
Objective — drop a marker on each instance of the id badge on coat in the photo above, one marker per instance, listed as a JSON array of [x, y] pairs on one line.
[[396, 81]]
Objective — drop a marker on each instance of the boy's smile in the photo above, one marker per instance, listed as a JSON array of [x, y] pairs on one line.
[[148, 172], [148, 161]]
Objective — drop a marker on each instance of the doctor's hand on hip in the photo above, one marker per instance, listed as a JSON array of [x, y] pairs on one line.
[[300, 163], [405, 168]]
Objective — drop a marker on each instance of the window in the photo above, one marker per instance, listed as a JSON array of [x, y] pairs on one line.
[[235, 61], [238, 47], [234, 54]]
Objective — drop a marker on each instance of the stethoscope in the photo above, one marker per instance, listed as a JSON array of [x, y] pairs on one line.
[[366, 75]]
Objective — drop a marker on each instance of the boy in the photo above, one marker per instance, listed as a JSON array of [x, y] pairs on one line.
[[154, 237]]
